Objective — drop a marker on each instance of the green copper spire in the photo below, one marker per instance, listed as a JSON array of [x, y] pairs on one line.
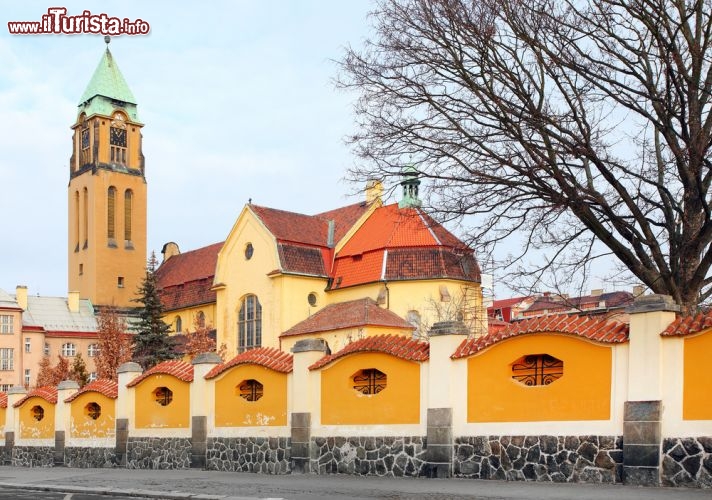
[[410, 185], [107, 90]]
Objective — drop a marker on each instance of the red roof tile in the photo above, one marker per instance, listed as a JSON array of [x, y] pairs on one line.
[[596, 329], [688, 325], [400, 347], [179, 369], [501, 303], [48, 393], [271, 358], [354, 313], [301, 259], [189, 294], [344, 218], [188, 266], [293, 227], [3, 400], [109, 388]]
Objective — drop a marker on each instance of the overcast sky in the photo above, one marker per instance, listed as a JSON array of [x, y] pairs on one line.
[[237, 100]]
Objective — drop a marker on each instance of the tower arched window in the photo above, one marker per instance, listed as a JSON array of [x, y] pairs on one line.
[[76, 220], [111, 214], [179, 324], [249, 323], [85, 218], [128, 205], [201, 319]]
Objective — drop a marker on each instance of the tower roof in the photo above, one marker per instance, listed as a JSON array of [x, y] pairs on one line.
[[107, 86]]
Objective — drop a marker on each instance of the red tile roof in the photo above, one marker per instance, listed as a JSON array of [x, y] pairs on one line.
[[596, 329], [351, 314], [552, 302], [501, 303], [688, 325], [400, 347], [3, 400], [269, 357], [109, 388], [186, 279], [48, 393], [293, 227], [344, 218], [302, 259], [179, 369]]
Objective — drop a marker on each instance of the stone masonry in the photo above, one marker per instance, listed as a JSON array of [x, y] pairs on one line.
[[368, 456], [249, 454], [158, 453], [687, 462], [33, 456], [589, 459], [86, 457]]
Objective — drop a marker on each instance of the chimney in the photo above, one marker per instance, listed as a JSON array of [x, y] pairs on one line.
[[638, 291], [374, 190], [596, 292], [73, 301], [330, 235], [169, 250], [21, 296]]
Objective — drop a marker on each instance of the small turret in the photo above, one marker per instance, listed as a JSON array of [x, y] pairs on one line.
[[410, 185]]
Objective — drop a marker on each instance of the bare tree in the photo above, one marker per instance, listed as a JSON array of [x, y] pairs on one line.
[[580, 128]]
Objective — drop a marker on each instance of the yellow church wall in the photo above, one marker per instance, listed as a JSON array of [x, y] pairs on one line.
[[582, 393], [94, 271], [236, 277], [697, 388], [30, 427], [293, 304], [188, 317], [152, 415], [398, 403], [3, 412], [338, 339], [83, 425], [231, 410]]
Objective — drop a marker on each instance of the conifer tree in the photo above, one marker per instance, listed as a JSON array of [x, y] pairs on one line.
[[152, 344], [79, 371]]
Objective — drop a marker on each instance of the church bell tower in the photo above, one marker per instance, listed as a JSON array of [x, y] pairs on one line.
[[107, 192]]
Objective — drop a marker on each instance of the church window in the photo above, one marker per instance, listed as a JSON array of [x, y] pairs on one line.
[[128, 205], [250, 390], [111, 214], [163, 396], [120, 282], [76, 220], [6, 324], [249, 321], [69, 349], [179, 324], [369, 381], [201, 319], [249, 251], [92, 410], [537, 369], [312, 299]]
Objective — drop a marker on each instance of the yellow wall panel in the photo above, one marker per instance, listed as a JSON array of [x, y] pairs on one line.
[[83, 425], [231, 410], [152, 415], [697, 388], [30, 427]]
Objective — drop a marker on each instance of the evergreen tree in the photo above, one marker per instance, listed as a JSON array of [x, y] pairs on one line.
[[79, 371], [152, 344]]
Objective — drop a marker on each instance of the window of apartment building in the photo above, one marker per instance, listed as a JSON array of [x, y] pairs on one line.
[[69, 349], [45, 350], [6, 359], [93, 376], [6, 324], [28, 376], [5, 387], [28, 344], [93, 350]]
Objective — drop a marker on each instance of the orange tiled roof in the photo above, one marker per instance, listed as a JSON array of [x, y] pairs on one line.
[[3, 400], [48, 393], [269, 357], [292, 226], [179, 369], [186, 279], [401, 347], [344, 218], [596, 329], [302, 259], [687, 325], [350, 314], [109, 388]]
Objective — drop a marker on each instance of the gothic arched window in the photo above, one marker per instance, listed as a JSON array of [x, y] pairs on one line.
[[111, 213], [249, 323]]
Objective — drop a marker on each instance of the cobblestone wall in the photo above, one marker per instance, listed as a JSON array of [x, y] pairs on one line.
[[33, 456], [249, 454], [158, 453], [368, 456], [85, 457], [687, 462], [590, 459]]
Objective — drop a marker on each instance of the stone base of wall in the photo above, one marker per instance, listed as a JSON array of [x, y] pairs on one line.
[[687, 462], [85, 457], [32, 456], [585, 459], [249, 454], [368, 456], [158, 453]]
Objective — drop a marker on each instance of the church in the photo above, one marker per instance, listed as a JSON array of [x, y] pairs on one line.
[[355, 271]]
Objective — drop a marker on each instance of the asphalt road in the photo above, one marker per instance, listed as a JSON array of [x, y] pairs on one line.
[[18, 494]]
